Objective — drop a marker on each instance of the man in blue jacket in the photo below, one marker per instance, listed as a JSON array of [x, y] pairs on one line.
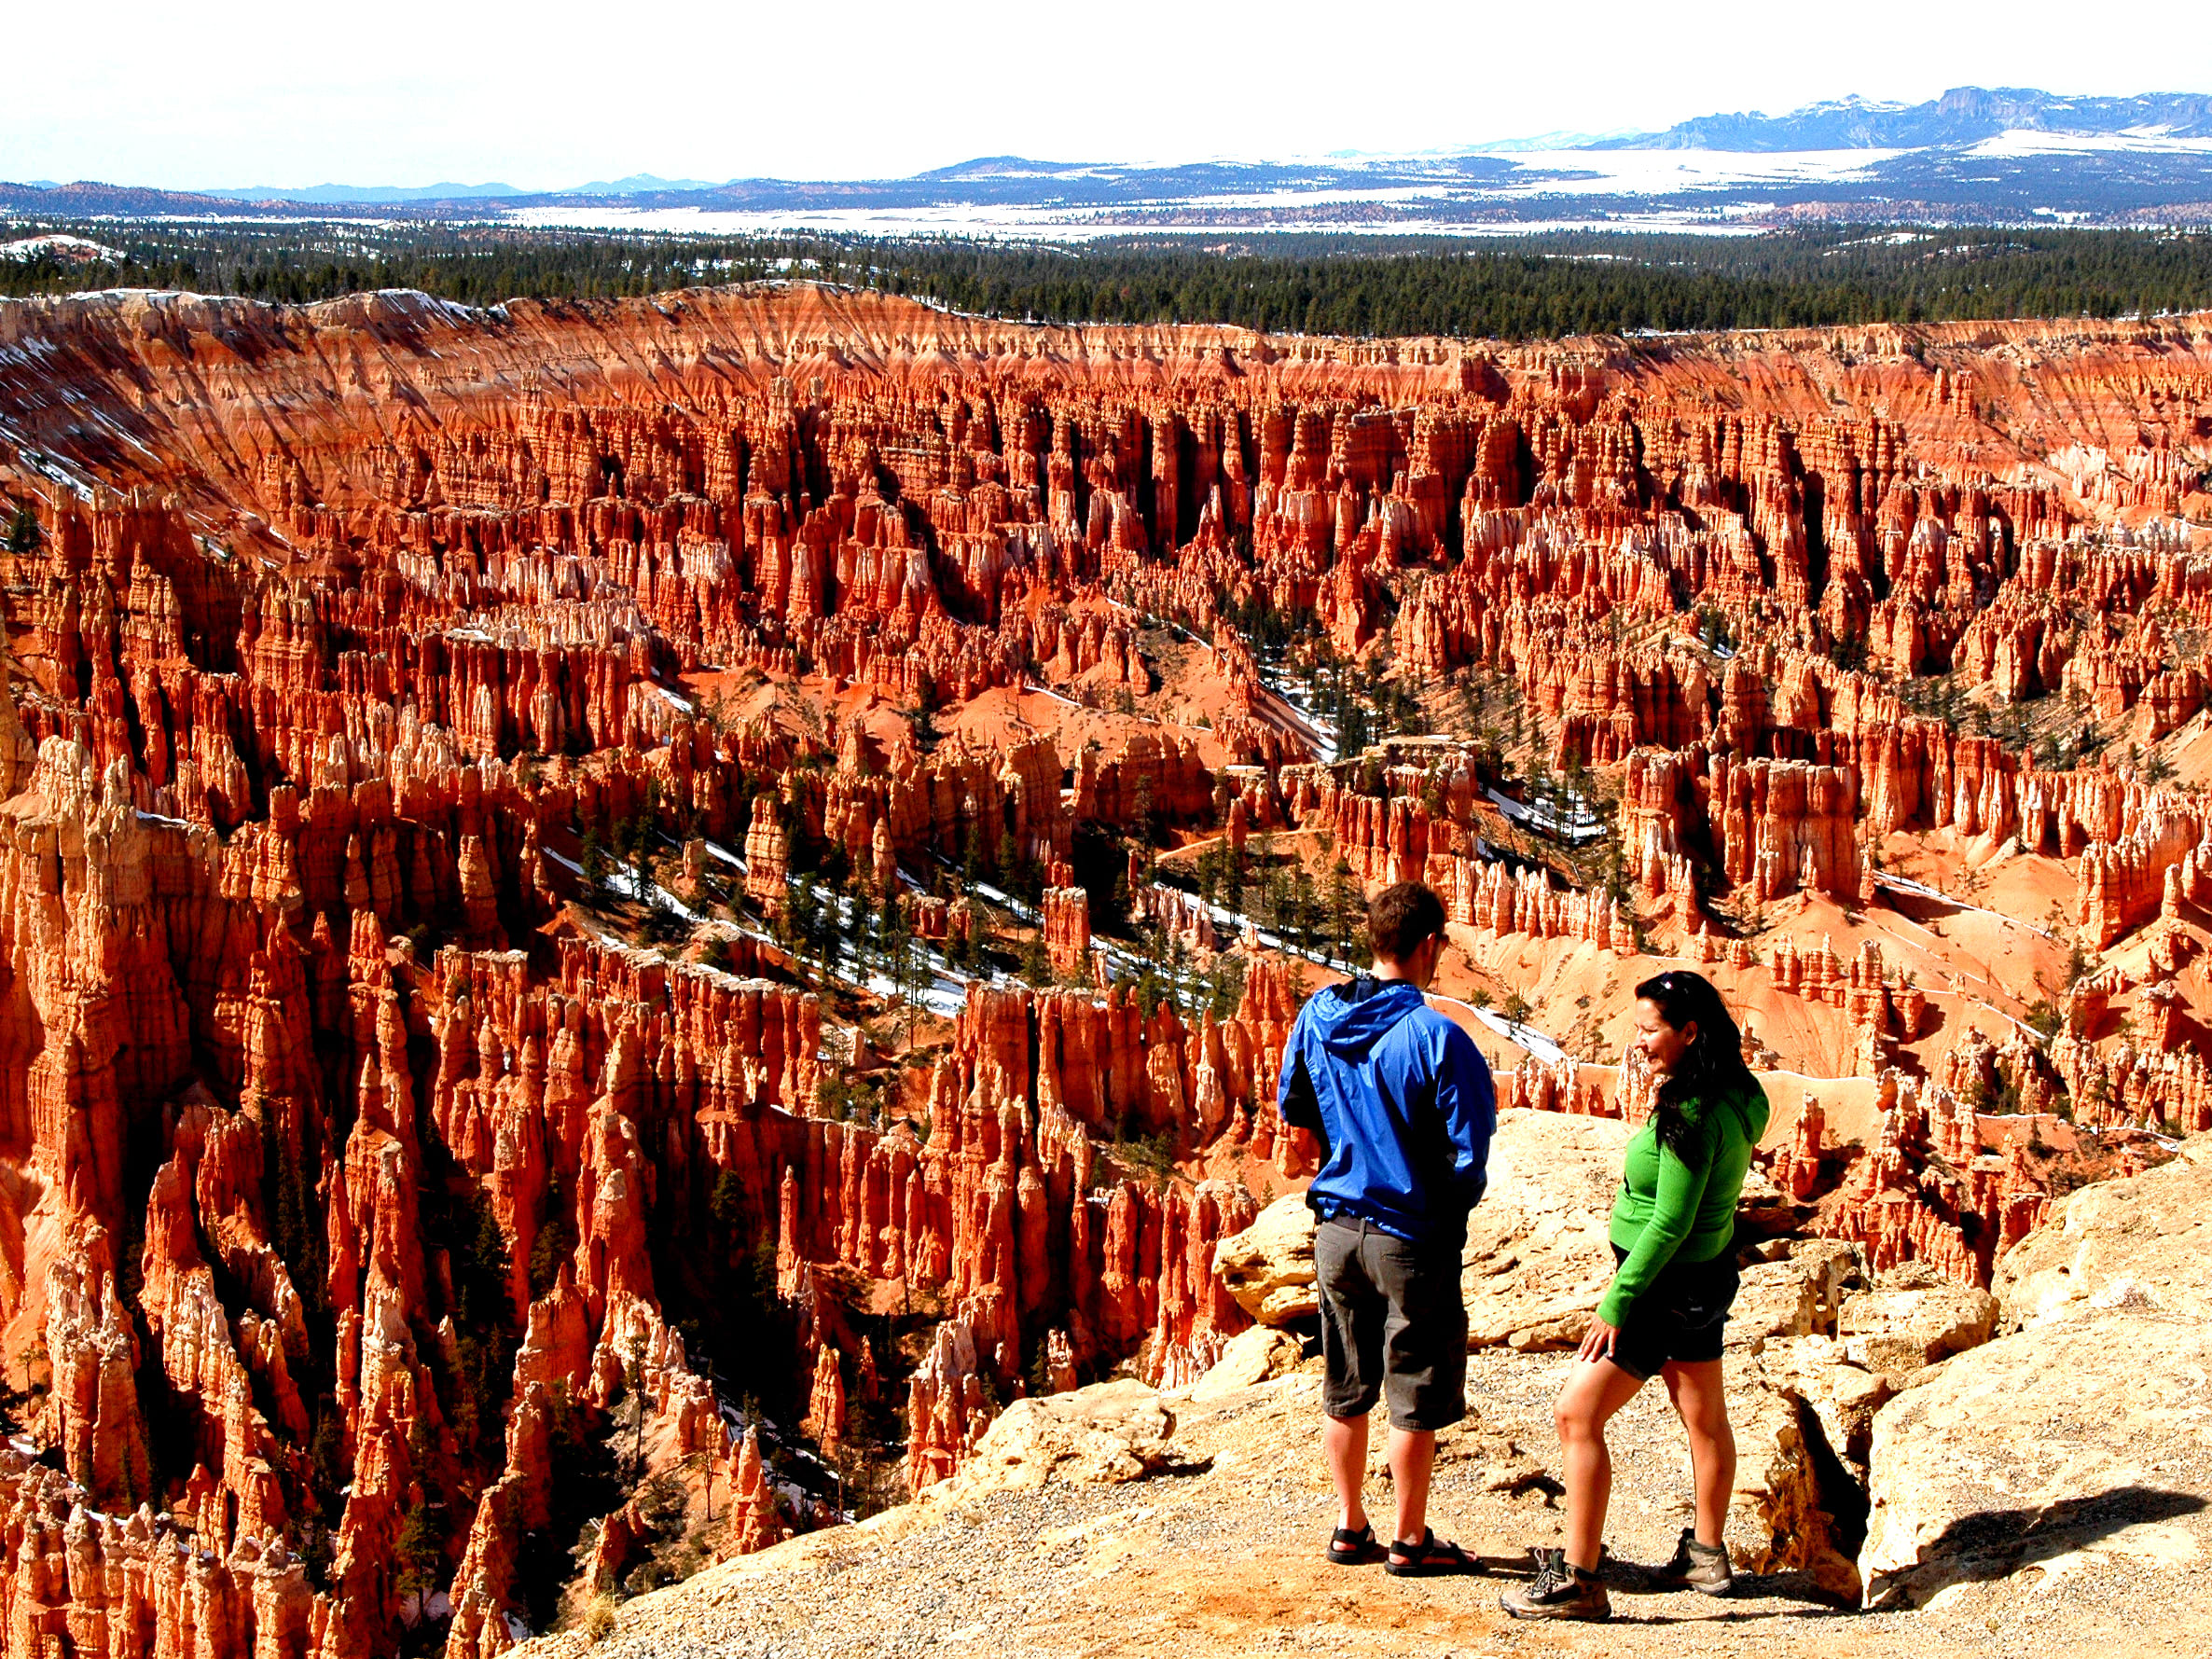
[[1402, 1101]]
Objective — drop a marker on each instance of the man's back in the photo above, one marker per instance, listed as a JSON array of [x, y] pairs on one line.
[[1402, 1101]]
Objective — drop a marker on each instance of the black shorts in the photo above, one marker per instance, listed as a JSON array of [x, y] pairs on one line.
[[1393, 1325], [1682, 1316]]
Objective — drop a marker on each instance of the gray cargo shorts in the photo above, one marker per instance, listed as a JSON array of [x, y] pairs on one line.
[[1392, 1325]]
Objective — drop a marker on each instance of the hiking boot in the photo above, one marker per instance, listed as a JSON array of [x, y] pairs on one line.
[[1701, 1566], [1558, 1590]]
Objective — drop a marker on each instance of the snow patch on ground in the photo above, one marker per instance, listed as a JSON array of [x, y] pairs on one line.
[[75, 249]]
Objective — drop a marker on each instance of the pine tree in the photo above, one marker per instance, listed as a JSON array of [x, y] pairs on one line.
[[1347, 911], [904, 956], [595, 863], [554, 1243], [1304, 901], [633, 1383], [14, 1417], [1144, 810], [420, 1552]]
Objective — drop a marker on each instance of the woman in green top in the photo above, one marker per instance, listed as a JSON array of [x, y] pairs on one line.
[[1673, 1238]]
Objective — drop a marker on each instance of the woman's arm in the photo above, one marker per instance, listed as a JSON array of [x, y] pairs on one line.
[[1674, 1213]]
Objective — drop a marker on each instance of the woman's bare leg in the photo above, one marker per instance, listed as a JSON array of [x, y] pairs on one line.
[[1595, 1388], [1701, 1401]]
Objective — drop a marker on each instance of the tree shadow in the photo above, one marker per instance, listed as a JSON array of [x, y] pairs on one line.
[[1994, 1544], [1923, 907]]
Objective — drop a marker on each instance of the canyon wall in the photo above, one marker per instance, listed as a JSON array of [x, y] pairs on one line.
[[352, 1167]]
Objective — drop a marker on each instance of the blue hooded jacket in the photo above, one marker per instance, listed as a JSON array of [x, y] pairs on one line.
[[1400, 1100]]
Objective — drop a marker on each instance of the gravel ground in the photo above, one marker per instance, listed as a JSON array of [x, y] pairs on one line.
[[1228, 1562]]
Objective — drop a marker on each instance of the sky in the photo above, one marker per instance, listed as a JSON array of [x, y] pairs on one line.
[[404, 92]]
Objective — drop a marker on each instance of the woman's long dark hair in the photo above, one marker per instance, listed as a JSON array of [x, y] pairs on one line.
[[1711, 1069]]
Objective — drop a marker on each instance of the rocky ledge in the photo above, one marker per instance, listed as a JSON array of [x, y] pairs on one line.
[[1922, 1468]]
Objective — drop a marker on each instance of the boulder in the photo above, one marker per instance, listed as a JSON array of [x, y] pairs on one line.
[[1502, 1464], [1799, 1295], [1537, 1257], [1251, 1357], [2084, 1438], [1268, 1268], [2081, 1436], [1842, 1396], [1774, 1300], [1813, 1356], [1790, 1511], [2147, 1238], [1109, 1432], [1802, 1413], [1897, 1333]]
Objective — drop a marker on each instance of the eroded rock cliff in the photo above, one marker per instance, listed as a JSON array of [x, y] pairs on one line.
[[521, 831]]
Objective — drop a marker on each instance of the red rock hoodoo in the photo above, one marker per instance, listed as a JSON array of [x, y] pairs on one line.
[[602, 901]]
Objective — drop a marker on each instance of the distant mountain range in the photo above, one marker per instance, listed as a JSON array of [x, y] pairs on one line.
[[350, 195], [1963, 115], [1975, 155]]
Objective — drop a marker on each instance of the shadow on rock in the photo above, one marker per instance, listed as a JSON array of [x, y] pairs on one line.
[[1994, 1544]]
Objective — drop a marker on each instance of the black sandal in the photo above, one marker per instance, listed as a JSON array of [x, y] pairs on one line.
[[1347, 1548], [1434, 1557]]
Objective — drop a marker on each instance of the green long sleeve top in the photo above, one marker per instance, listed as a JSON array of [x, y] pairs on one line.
[[1671, 1208]]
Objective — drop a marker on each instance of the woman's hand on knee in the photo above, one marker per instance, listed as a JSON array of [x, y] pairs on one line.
[[1598, 1341]]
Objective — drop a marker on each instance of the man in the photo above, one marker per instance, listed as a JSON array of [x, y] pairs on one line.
[[1401, 1103]]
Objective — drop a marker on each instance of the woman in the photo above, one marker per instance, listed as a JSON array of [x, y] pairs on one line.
[[1674, 1241]]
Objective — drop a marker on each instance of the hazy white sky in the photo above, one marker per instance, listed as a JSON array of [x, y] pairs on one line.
[[409, 92]]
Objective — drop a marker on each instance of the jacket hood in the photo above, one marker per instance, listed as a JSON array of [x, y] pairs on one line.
[[1351, 1024]]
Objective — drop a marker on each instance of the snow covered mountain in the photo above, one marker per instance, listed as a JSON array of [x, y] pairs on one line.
[[1973, 156]]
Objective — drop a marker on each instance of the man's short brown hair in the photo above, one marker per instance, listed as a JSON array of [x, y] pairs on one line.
[[1401, 918]]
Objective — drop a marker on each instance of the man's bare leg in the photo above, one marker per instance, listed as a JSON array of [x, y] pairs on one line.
[[1344, 1443], [1412, 1455]]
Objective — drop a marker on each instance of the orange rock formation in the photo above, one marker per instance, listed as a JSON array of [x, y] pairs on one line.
[[352, 1164]]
